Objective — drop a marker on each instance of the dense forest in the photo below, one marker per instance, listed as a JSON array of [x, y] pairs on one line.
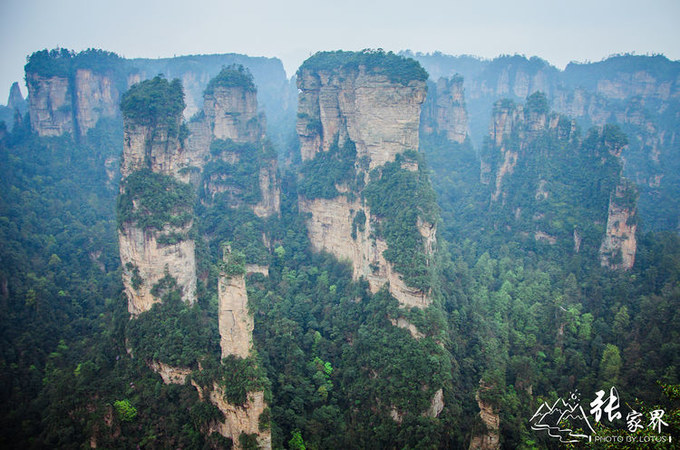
[[516, 320]]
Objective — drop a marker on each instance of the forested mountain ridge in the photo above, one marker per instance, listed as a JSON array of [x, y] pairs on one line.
[[332, 307], [641, 94], [70, 91]]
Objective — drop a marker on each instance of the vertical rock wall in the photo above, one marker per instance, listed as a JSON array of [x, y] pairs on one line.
[[235, 321], [381, 118], [230, 114], [59, 105], [50, 105], [620, 244], [96, 98], [444, 110], [149, 254]]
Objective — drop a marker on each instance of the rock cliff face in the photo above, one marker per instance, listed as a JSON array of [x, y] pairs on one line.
[[146, 262], [235, 321], [236, 338], [527, 165], [381, 118], [50, 104], [330, 229], [512, 128], [170, 374], [155, 245], [270, 190], [96, 97], [445, 110], [230, 115], [240, 418], [620, 245], [60, 105], [149, 253], [489, 439], [638, 93], [153, 146]]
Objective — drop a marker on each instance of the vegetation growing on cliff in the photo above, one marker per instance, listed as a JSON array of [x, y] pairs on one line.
[[400, 199], [560, 184], [532, 321], [397, 68], [548, 317], [232, 76], [154, 200], [63, 63], [227, 194], [337, 365], [172, 332], [321, 175], [236, 182], [52, 63], [155, 102]]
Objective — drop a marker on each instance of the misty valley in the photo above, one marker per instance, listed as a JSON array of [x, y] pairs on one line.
[[384, 251]]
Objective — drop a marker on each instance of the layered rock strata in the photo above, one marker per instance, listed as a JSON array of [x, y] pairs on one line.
[[380, 117], [50, 105], [150, 253], [71, 104]]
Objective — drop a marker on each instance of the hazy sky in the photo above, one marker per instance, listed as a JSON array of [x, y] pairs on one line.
[[556, 30]]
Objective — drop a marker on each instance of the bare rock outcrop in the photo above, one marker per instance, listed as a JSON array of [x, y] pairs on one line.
[[331, 229], [151, 252], [231, 113], [380, 116], [146, 262], [235, 321], [239, 418], [50, 104], [620, 244], [96, 97], [362, 106], [155, 146], [436, 405], [489, 438], [170, 374], [68, 99]]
